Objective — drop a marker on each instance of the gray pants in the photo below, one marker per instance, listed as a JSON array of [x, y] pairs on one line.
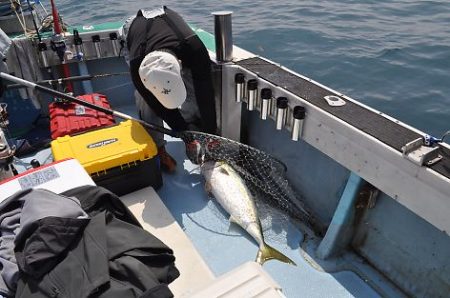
[[189, 109]]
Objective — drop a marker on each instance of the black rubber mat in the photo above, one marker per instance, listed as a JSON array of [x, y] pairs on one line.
[[383, 129]]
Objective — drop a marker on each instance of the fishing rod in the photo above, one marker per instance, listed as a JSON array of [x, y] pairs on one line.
[[70, 79], [34, 21], [184, 135], [70, 98], [59, 44], [213, 145], [42, 46]]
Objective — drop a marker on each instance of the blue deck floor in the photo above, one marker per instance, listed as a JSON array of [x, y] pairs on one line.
[[223, 248]]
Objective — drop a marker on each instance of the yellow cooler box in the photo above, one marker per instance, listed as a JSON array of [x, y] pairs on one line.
[[121, 158]]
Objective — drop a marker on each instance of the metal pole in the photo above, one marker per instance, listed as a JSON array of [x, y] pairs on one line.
[[86, 77], [60, 44], [70, 98], [223, 36]]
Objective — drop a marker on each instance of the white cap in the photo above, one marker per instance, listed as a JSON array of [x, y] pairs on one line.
[[160, 73]]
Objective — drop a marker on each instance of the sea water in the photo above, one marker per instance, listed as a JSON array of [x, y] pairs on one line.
[[393, 55]]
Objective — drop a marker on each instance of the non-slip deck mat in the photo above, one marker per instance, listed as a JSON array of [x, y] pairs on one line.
[[372, 123]]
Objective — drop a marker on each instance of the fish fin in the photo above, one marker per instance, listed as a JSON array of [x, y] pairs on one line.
[[233, 220], [234, 227], [224, 171], [267, 253]]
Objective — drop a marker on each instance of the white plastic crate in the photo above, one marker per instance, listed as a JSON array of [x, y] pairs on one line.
[[57, 177], [248, 280]]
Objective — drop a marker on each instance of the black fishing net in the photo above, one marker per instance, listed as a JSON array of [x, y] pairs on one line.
[[264, 175]]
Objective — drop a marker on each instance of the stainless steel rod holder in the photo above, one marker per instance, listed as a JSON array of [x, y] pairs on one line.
[[223, 36], [44, 59], [96, 42], [239, 80], [78, 42], [282, 105], [266, 96], [252, 90], [115, 43], [297, 127], [115, 47], [78, 49], [42, 47], [97, 49], [79, 52], [264, 108], [280, 118]]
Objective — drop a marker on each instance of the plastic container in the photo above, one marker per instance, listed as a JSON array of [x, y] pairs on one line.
[[71, 118], [122, 158], [57, 177], [247, 280]]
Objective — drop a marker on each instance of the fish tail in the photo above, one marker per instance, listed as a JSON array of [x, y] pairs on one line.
[[267, 253]]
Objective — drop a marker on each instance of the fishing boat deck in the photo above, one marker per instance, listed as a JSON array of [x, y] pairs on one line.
[[197, 229], [397, 239], [223, 249], [358, 140]]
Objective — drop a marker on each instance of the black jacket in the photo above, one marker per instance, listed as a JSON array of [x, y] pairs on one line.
[[112, 257], [170, 31], [22, 218]]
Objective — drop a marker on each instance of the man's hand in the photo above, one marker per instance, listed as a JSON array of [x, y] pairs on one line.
[[194, 151]]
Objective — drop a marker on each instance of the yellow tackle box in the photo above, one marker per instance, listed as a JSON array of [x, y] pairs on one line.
[[121, 158]]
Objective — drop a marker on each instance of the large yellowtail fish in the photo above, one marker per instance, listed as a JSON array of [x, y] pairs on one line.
[[227, 187]]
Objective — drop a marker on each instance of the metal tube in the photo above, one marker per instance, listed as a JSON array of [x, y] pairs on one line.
[[114, 41], [280, 118], [282, 104], [273, 107], [96, 41], [79, 52], [252, 90], [115, 47], [44, 59], [223, 35], [239, 80], [60, 44], [42, 47], [17, 80], [72, 79], [264, 108], [78, 42], [266, 96], [297, 127]]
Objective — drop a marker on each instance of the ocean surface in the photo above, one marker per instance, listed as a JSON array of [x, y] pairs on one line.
[[391, 55]]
